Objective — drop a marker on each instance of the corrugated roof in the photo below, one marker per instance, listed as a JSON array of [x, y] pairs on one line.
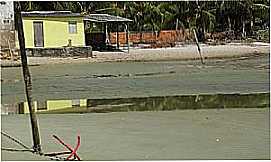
[[50, 14], [90, 17], [105, 18]]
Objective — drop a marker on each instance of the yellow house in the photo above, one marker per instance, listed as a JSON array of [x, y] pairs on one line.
[[53, 29], [63, 33]]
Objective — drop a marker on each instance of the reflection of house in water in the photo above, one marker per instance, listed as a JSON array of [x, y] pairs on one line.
[[61, 33]]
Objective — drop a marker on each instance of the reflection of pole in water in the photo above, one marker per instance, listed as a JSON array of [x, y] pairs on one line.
[[27, 79], [197, 42]]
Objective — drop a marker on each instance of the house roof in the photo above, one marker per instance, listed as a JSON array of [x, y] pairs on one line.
[[105, 18], [90, 17], [50, 14]]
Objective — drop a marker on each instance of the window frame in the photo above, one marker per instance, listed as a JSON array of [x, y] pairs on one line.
[[72, 27]]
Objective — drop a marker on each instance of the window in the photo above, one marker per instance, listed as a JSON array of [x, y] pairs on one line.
[[6, 21], [72, 27]]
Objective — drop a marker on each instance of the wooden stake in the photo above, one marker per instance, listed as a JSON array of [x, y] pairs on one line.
[[197, 42], [127, 37], [118, 46], [27, 79]]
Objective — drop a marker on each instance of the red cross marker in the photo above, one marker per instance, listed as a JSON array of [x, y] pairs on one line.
[[73, 151]]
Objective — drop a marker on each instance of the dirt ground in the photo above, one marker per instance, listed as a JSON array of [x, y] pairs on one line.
[[184, 52], [157, 135]]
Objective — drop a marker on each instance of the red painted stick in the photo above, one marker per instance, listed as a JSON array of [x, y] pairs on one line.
[[76, 148], [69, 147]]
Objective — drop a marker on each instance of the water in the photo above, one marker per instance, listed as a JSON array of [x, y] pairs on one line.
[[189, 134], [139, 79]]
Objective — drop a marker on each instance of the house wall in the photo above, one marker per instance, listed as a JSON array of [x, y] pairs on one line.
[[6, 15], [7, 33], [56, 31]]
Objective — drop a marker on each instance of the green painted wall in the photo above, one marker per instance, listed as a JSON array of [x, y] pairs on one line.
[[56, 31]]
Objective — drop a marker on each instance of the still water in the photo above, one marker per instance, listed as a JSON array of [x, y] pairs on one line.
[[154, 135], [139, 79]]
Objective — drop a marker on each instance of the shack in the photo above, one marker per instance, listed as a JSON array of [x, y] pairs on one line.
[[98, 33], [63, 33]]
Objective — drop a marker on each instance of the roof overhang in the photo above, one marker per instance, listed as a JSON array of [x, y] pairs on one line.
[[105, 18], [89, 17]]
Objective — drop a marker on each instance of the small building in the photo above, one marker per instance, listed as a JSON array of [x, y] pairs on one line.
[[98, 30], [6, 15], [52, 29], [7, 31], [58, 33]]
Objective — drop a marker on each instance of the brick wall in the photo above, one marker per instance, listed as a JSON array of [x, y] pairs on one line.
[[166, 36]]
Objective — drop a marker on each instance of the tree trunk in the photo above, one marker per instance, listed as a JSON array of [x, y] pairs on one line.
[[27, 79], [251, 26], [177, 25], [141, 34], [229, 22], [243, 29]]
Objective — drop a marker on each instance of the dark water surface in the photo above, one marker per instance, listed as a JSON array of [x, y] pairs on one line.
[[139, 79]]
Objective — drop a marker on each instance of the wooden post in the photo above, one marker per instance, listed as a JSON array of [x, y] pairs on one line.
[[127, 37], [27, 79], [104, 33], [107, 35], [118, 46], [197, 42]]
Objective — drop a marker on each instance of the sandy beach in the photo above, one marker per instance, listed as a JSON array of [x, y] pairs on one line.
[[185, 52]]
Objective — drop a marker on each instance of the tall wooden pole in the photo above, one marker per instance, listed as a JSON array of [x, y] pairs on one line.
[[27, 79], [118, 46], [127, 37]]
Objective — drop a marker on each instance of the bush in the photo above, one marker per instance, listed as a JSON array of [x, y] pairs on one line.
[[263, 35]]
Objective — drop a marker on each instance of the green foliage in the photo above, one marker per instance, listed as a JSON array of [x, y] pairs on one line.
[[208, 16]]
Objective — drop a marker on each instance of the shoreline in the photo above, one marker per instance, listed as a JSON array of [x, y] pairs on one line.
[[184, 52]]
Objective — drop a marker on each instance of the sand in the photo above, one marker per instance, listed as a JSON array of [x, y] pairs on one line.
[[185, 52]]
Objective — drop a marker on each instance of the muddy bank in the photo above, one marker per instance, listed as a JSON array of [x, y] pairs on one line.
[[185, 52]]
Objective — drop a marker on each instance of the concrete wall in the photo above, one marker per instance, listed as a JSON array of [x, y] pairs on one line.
[[7, 33], [56, 31], [6, 10], [60, 52], [6, 15]]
